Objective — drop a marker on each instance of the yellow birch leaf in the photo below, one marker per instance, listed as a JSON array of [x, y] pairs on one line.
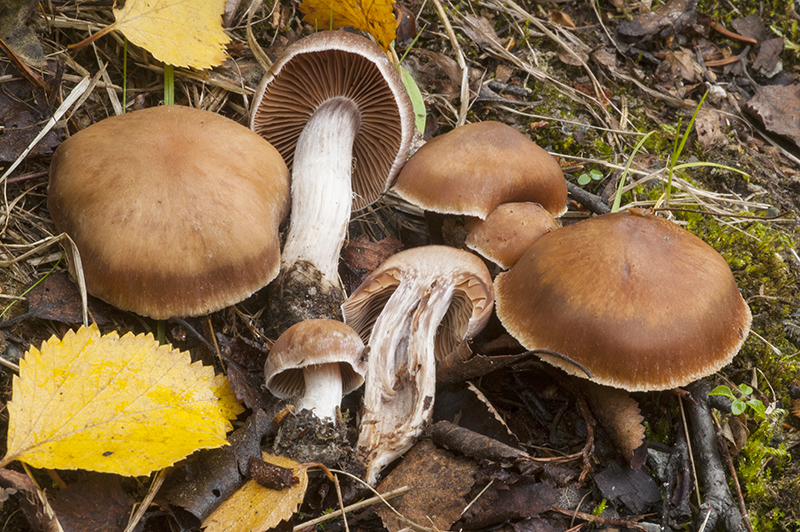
[[117, 405], [177, 32], [228, 403], [373, 16], [254, 507]]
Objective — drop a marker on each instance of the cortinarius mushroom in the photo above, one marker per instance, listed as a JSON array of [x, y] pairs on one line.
[[336, 109], [174, 210], [640, 302], [318, 362], [414, 308], [474, 168], [508, 231]]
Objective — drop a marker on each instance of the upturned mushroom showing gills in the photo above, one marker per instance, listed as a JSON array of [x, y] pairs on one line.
[[639, 302], [317, 362], [336, 109], [414, 308], [474, 168], [175, 211]]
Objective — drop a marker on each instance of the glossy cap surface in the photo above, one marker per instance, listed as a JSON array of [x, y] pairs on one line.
[[640, 302]]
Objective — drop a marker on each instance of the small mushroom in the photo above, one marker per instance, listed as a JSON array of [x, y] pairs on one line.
[[318, 362], [415, 308], [632, 298], [476, 167], [336, 109], [175, 211], [508, 231]]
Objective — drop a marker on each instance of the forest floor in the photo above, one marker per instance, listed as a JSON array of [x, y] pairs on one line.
[[587, 81]]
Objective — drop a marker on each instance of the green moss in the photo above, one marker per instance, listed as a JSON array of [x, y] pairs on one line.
[[755, 252], [760, 463]]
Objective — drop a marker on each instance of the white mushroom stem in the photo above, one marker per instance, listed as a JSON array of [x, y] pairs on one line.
[[321, 190], [401, 372], [323, 384]]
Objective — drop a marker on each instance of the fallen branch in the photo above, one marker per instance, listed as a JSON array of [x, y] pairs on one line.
[[718, 504]]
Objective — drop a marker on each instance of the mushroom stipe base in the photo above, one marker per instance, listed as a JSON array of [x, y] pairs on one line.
[[299, 294], [305, 438]]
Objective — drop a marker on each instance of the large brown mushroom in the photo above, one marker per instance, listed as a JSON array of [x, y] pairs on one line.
[[336, 109], [414, 309], [174, 210], [476, 167], [639, 302]]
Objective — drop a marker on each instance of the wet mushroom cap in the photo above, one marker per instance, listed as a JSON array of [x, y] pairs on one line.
[[640, 302], [314, 343], [508, 231], [174, 210], [336, 64], [476, 167]]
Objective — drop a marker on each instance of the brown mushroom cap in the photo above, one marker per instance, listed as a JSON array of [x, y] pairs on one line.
[[508, 231], [312, 343], [476, 167], [640, 302], [332, 64], [174, 210]]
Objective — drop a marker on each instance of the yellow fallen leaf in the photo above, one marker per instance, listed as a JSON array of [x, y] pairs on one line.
[[117, 405], [177, 32], [373, 16], [254, 507], [228, 403]]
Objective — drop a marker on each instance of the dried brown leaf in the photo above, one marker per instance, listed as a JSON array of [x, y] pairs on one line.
[[440, 482], [619, 413]]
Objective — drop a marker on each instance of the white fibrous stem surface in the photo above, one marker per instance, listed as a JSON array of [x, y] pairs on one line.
[[321, 189], [401, 373], [323, 394]]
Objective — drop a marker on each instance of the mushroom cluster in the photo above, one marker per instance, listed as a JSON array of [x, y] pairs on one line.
[[629, 299]]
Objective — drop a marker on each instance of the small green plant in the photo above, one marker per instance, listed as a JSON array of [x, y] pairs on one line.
[[586, 178], [600, 508], [740, 404], [679, 142]]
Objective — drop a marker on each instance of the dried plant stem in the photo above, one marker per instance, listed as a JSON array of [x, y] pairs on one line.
[[151, 494], [462, 112], [353, 507], [689, 448], [258, 52]]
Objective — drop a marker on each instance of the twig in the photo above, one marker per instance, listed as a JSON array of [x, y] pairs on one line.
[[591, 201], [732, 469], [718, 501]]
